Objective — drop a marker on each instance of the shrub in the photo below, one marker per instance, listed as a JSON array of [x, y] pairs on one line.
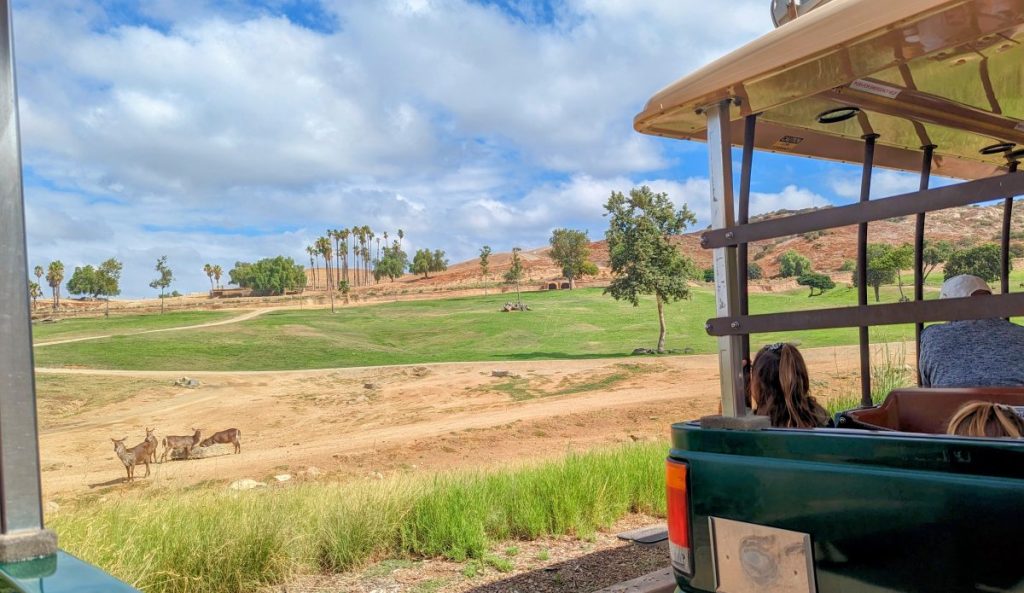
[[816, 281], [982, 261], [754, 272], [848, 266], [792, 263]]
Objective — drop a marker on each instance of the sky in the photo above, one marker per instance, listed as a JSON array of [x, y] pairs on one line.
[[232, 130]]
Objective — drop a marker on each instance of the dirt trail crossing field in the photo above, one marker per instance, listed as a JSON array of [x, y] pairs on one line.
[[364, 421], [243, 317]]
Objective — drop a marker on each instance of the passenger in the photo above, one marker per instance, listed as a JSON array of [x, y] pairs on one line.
[[779, 388], [980, 353], [984, 419]]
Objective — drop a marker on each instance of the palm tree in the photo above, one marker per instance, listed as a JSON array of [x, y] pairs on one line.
[[401, 235], [209, 274], [217, 273], [312, 263], [343, 248], [368, 234], [34, 291], [323, 245], [357, 239], [336, 235], [54, 278], [39, 275]]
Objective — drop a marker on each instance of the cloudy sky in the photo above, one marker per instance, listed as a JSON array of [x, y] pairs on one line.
[[217, 131]]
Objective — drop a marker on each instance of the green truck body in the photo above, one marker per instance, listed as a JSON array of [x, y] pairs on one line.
[[884, 511]]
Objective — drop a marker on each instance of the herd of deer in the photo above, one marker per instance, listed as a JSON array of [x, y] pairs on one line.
[[145, 452]]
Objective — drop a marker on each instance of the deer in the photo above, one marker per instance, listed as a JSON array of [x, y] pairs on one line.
[[131, 457], [151, 439], [231, 435], [186, 443]]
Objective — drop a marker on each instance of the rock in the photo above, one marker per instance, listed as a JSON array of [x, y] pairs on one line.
[[369, 385], [377, 475], [52, 507], [642, 351], [687, 350], [312, 472], [187, 382], [500, 373], [283, 477], [246, 484]]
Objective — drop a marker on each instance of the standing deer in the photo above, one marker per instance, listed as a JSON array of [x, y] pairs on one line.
[[151, 439], [142, 452], [127, 457], [231, 435], [185, 443]]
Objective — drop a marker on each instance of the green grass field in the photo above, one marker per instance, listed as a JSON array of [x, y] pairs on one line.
[[210, 541], [562, 325], [98, 326]]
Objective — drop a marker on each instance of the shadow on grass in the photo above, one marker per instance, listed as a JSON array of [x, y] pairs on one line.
[[586, 573], [113, 482]]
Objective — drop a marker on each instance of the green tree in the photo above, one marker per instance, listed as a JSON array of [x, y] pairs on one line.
[[982, 261], [422, 262], [709, 274], [848, 265], [38, 271], [814, 280], [269, 276], [792, 264], [166, 276], [34, 292], [514, 275], [570, 250], [54, 278], [485, 261], [643, 258], [934, 254], [392, 264], [901, 258], [754, 271], [217, 273], [83, 282], [208, 270], [108, 276], [438, 261], [881, 267]]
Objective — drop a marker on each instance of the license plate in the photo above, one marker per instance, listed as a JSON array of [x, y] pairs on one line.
[[752, 558]]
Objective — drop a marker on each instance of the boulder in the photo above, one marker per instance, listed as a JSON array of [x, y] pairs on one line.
[[500, 373], [246, 484], [642, 351], [283, 477]]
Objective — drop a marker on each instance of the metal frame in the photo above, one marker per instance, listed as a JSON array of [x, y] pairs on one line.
[[926, 173], [940, 198], [864, 339], [1004, 263], [727, 302], [21, 512]]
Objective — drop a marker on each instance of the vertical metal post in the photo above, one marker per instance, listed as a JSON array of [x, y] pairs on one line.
[[743, 217], [862, 271], [21, 517], [730, 348], [1004, 259], [926, 172]]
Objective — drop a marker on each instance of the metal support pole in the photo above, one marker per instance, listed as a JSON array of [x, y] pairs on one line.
[[730, 348], [862, 271], [21, 515], [1004, 259], [742, 218], [926, 173]]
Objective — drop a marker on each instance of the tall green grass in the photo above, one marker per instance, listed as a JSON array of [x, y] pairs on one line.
[[214, 541], [889, 371]]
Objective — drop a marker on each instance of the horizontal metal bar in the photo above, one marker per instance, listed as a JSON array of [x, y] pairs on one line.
[[976, 307], [929, 200]]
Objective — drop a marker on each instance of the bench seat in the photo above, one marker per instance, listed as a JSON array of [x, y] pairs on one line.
[[925, 409]]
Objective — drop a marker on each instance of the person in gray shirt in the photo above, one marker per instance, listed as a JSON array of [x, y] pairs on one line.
[[980, 353]]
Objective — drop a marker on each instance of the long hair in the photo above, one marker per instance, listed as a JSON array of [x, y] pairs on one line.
[[986, 419], [780, 388]]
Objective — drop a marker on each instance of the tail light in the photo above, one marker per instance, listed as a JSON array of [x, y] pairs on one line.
[[678, 516]]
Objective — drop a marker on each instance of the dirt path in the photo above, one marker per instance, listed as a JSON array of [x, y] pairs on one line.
[[237, 319], [365, 421]]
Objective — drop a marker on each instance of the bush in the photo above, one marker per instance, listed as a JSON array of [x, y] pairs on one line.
[[848, 266], [709, 274], [754, 272], [792, 263], [982, 261]]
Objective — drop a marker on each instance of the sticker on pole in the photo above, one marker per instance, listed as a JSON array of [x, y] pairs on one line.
[[875, 88], [787, 142]]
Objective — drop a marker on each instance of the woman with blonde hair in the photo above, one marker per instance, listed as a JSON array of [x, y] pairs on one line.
[[780, 389], [986, 419]]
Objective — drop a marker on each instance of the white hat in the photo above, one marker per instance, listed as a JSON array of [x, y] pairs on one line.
[[963, 285]]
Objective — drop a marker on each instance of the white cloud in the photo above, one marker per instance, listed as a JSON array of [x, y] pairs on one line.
[[230, 132], [790, 198]]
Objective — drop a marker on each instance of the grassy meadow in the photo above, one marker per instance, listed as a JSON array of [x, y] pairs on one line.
[[167, 543], [562, 325], [93, 326]]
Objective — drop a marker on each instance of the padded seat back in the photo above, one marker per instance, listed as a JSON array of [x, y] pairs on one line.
[[925, 409]]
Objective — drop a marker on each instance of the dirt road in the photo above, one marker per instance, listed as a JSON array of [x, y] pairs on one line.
[[364, 421], [237, 319]]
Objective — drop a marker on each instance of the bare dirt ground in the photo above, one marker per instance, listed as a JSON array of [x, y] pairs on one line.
[[364, 421]]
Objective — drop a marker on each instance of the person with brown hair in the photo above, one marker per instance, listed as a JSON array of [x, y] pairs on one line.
[[986, 419], [780, 389]]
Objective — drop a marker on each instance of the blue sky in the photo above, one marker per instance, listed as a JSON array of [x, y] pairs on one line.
[[223, 131]]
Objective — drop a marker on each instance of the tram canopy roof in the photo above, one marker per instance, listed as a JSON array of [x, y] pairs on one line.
[[943, 72]]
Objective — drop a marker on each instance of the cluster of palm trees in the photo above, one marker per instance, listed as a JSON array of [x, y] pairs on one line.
[[213, 272], [54, 277], [349, 257]]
